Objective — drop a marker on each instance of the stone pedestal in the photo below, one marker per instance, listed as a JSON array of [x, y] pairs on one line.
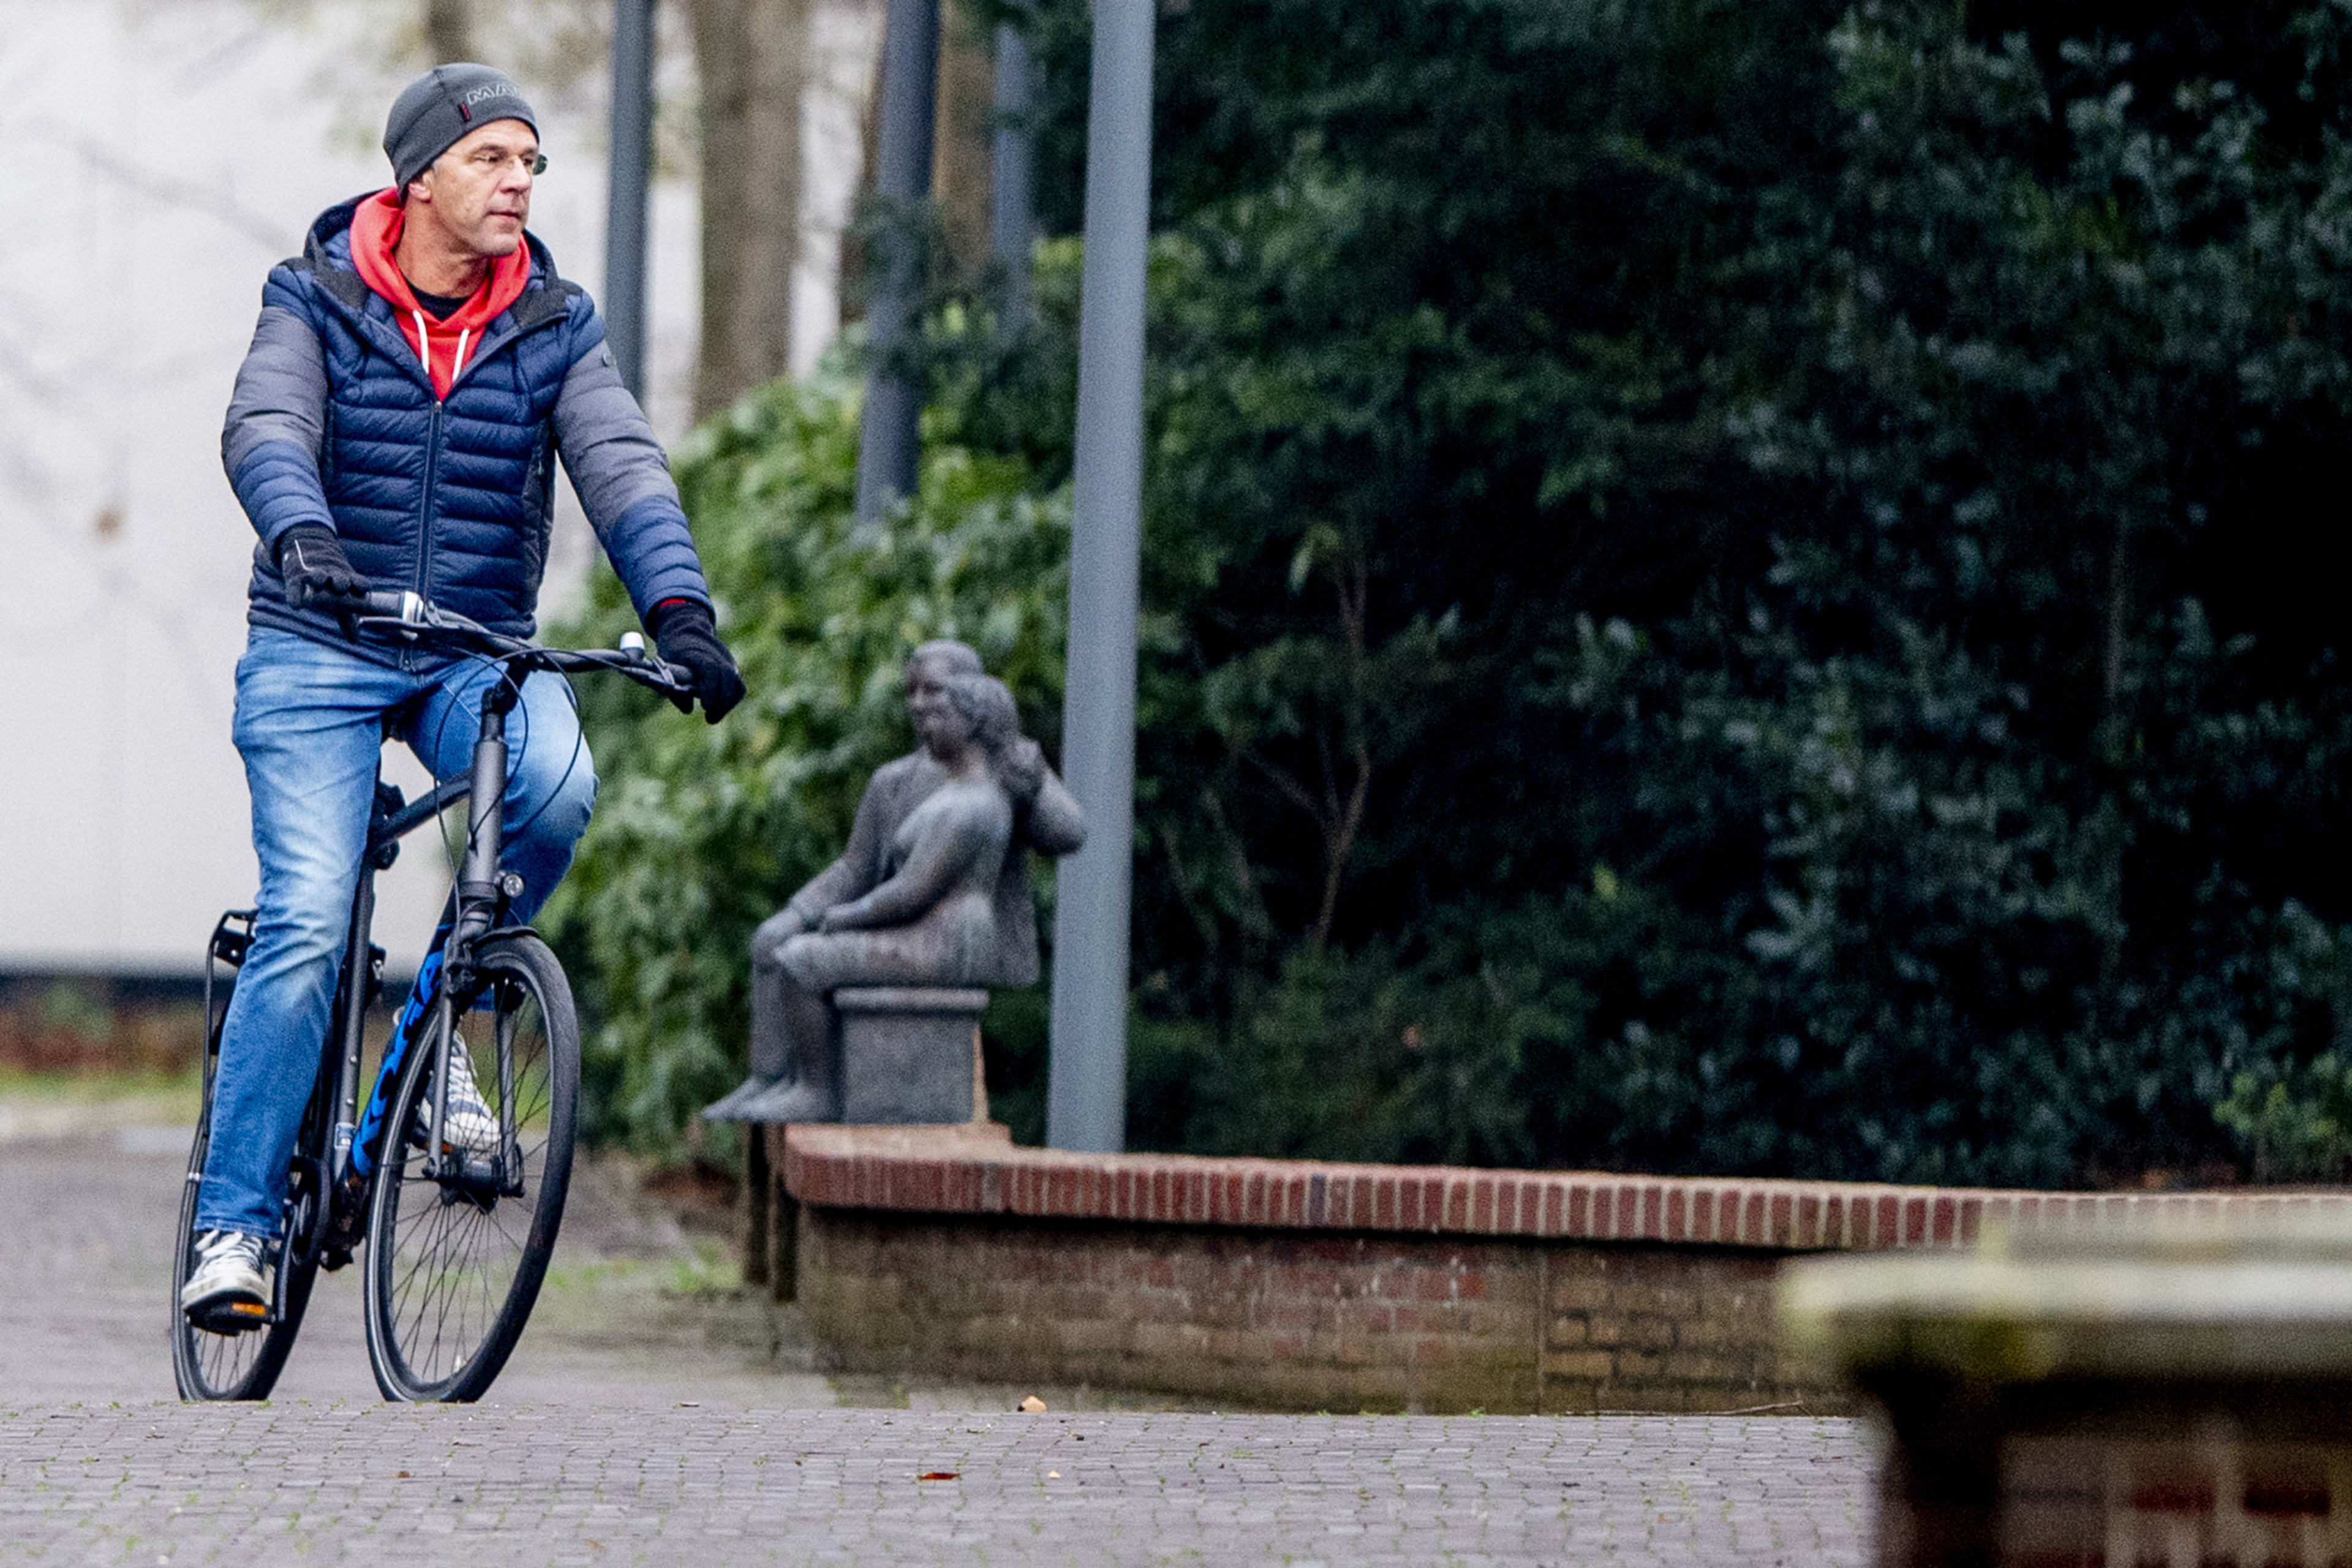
[[908, 1053], [2130, 1393]]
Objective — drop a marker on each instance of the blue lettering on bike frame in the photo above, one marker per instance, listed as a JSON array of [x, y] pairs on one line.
[[395, 1051]]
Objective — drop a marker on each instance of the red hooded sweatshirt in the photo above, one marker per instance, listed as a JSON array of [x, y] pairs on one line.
[[444, 346]]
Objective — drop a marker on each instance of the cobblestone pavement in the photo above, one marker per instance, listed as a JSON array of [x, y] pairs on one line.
[[301, 1483], [87, 1212], [648, 1419]]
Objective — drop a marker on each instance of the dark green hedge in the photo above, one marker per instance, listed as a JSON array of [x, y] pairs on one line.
[[1729, 586]]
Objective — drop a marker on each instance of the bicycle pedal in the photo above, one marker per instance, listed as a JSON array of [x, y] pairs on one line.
[[231, 1317]]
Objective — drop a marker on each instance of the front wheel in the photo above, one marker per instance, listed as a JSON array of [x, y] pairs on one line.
[[457, 1246]]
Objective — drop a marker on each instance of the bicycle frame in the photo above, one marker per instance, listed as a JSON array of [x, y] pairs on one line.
[[478, 909], [478, 904], [332, 1182], [329, 1189], [328, 1192]]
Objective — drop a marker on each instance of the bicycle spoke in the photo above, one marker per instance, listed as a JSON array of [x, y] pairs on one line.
[[455, 1259], [240, 1365]]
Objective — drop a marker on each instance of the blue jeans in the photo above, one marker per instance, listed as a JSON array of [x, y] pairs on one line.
[[311, 721]]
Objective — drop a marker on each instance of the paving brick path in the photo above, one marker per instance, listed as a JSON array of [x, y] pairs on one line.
[[299, 1483], [591, 1453]]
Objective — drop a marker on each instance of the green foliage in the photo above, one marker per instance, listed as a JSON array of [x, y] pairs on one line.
[[701, 833], [2298, 1128], [1729, 571], [2295, 1117], [1728, 587]]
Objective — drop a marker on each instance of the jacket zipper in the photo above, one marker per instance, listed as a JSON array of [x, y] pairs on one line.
[[424, 512], [482, 350], [488, 347]]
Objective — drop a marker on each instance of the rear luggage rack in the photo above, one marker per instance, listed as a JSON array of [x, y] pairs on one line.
[[232, 939]]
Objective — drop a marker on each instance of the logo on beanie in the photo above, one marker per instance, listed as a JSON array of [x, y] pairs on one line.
[[489, 93], [418, 130]]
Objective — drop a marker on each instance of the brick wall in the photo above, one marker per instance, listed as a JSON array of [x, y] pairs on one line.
[[1287, 1320], [1297, 1285]]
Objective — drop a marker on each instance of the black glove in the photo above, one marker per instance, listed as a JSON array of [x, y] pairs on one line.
[[317, 573], [685, 634]]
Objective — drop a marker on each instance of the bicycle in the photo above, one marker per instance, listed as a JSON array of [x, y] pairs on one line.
[[449, 1283]]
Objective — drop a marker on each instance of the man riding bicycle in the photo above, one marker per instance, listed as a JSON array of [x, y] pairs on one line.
[[415, 375]]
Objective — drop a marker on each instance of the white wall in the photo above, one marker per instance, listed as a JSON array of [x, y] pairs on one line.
[[159, 156]]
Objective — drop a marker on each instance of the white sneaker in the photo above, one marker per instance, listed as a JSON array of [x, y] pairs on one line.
[[231, 1281], [469, 1125]]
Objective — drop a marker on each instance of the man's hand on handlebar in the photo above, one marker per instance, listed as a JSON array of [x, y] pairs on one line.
[[317, 573], [686, 635], [406, 618]]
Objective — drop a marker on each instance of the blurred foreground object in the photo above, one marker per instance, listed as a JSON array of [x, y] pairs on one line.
[[2170, 1390]]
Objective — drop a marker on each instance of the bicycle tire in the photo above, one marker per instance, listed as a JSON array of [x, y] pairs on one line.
[[422, 1264], [210, 1366]]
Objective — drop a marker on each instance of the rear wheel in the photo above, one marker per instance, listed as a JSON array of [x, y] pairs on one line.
[[456, 1248], [243, 1364]]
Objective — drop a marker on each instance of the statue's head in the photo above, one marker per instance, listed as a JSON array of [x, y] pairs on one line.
[[945, 654], [985, 709], [928, 669], [955, 704]]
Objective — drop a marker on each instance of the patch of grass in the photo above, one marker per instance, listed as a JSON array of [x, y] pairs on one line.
[[711, 1272], [180, 1092], [572, 1278]]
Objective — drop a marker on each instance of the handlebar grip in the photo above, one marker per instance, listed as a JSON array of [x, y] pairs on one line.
[[403, 607], [673, 677]]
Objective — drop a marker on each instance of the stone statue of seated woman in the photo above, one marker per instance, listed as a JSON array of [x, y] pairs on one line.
[[932, 891]]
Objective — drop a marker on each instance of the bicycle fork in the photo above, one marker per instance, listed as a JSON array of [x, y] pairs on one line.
[[483, 892]]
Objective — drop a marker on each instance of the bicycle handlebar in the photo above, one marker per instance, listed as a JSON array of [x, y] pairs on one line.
[[407, 609], [411, 617]]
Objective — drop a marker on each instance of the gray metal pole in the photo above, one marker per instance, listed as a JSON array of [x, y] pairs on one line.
[[889, 452], [1086, 1096], [632, 171], [1013, 173]]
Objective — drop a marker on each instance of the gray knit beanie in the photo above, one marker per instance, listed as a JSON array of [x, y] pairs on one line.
[[440, 109]]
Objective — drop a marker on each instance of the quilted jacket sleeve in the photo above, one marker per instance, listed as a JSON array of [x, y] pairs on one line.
[[276, 417], [624, 481]]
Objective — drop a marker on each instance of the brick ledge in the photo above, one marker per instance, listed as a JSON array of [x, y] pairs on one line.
[[978, 1170]]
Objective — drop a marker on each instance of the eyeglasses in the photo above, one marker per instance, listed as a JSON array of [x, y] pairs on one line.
[[486, 161]]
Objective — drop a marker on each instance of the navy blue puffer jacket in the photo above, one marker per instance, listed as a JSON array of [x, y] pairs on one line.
[[334, 421]]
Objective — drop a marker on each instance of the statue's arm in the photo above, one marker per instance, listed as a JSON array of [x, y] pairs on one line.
[[940, 860], [837, 884], [1056, 826], [852, 874]]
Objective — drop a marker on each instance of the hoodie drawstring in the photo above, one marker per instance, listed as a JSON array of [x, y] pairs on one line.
[[425, 348]]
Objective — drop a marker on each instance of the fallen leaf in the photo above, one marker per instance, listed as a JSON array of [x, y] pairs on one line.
[[937, 1476], [1033, 1404], [1052, 1475], [401, 1475]]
